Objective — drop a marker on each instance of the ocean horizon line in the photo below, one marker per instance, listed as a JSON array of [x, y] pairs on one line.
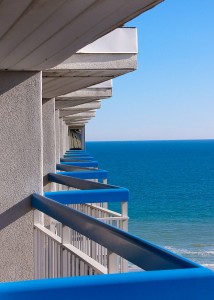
[[166, 140]]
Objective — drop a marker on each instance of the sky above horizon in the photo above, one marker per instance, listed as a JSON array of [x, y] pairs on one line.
[[171, 94]]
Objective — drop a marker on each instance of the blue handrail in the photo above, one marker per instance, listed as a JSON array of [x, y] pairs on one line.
[[97, 174], [91, 164], [76, 155], [64, 167], [77, 152], [89, 196], [79, 158], [78, 183], [192, 284]]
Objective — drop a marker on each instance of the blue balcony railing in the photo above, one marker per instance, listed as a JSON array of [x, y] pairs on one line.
[[83, 240], [168, 275], [87, 164], [197, 284], [143, 254], [99, 175], [77, 158]]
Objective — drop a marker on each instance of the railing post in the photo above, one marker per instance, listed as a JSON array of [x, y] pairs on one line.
[[112, 262], [38, 246], [105, 204], [53, 222], [65, 240], [124, 209], [38, 217], [37, 256]]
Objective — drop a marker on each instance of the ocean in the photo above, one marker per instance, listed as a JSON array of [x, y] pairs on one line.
[[171, 186]]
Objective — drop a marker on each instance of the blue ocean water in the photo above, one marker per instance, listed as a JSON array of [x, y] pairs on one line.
[[171, 187]]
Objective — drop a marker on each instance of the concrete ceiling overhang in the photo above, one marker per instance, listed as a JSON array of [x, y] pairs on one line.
[[75, 122], [40, 34], [72, 103], [76, 126], [79, 116], [80, 108], [84, 96], [112, 55], [83, 121]]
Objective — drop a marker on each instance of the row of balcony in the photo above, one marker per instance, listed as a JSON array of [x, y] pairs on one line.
[[76, 235]]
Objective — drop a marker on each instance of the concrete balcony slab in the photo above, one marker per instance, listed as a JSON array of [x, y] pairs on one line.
[[78, 121], [38, 35], [84, 96], [96, 63], [79, 116], [80, 108], [75, 125]]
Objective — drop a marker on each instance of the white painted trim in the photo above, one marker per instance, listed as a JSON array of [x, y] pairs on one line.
[[49, 233]]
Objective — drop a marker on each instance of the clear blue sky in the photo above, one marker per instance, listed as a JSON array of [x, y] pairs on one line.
[[171, 95]]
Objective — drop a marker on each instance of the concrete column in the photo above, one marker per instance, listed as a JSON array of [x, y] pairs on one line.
[[67, 138], [70, 137], [57, 132], [65, 134], [49, 140], [20, 170], [83, 138], [61, 137]]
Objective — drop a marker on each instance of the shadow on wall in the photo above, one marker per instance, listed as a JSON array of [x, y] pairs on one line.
[[15, 212], [9, 84]]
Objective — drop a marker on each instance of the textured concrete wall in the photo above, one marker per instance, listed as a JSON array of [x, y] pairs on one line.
[[49, 140], [20, 170]]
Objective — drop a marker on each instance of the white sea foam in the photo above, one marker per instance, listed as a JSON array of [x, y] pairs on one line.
[[137, 269], [184, 251], [209, 266]]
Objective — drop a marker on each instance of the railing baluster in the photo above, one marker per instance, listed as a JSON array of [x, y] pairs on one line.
[[73, 265]]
